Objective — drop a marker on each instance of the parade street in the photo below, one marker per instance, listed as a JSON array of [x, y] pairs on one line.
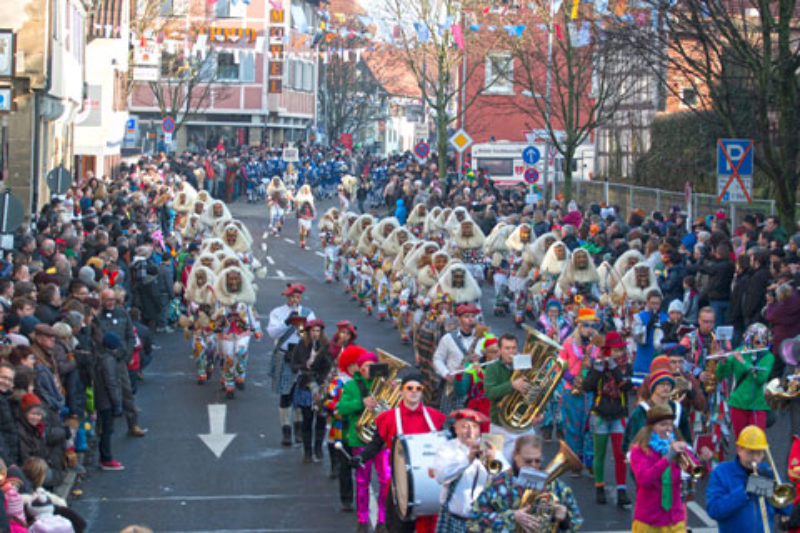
[[211, 464]]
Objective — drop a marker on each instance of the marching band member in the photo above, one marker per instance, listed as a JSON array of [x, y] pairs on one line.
[[236, 322], [579, 353], [282, 329], [311, 362], [553, 323], [499, 507], [355, 399], [427, 338], [454, 349], [737, 496], [660, 383], [497, 385], [306, 213], [646, 332], [750, 373], [347, 365], [409, 418], [460, 468], [654, 462], [345, 336], [692, 397], [608, 380]]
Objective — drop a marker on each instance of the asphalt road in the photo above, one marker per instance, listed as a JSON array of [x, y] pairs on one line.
[[173, 482]]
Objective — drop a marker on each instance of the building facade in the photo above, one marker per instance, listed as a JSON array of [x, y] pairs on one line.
[[227, 73]]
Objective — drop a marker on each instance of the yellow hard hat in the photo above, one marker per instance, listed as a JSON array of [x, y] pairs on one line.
[[752, 438]]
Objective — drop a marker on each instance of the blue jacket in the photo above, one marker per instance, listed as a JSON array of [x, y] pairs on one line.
[[727, 502], [400, 213]]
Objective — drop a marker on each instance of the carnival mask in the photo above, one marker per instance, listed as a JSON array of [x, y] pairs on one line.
[[207, 262], [387, 229], [548, 242], [199, 207], [182, 198], [233, 282], [230, 235], [642, 274], [217, 209], [439, 261], [402, 237], [460, 216], [561, 252], [525, 233], [231, 261], [466, 229], [201, 278], [430, 249], [215, 247], [458, 278], [581, 260]]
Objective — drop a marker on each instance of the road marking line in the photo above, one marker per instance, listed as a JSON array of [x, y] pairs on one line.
[[320, 254], [280, 274], [373, 507], [199, 498], [270, 260], [287, 239], [701, 514], [694, 530]]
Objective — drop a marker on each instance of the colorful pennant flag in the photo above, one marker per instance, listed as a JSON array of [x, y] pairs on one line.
[[423, 35], [458, 36], [575, 5]]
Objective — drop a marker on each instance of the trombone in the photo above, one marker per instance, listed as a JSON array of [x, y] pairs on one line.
[[784, 493]]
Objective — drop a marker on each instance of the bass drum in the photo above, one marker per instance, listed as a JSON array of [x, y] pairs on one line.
[[414, 487]]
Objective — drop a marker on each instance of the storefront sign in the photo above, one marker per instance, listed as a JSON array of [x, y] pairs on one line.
[[7, 50]]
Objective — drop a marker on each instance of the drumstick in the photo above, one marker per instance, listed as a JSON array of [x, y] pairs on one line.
[[339, 446]]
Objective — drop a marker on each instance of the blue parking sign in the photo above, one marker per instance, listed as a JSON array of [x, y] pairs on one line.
[[735, 156]]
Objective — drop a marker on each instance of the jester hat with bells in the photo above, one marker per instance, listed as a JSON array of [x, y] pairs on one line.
[[232, 287], [458, 283]]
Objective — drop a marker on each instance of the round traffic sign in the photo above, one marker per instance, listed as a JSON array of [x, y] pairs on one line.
[[422, 149], [59, 180], [531, 155], [531, 175], [168, 124]]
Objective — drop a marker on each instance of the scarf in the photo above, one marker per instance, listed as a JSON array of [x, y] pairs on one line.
[[661, 446]]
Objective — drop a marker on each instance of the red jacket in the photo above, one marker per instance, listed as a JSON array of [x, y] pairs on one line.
[[413, 422]]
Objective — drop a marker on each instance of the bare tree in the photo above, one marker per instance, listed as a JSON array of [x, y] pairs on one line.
[[424, 31], [739, 59], [350, 95], [588, 72], [187, 81]]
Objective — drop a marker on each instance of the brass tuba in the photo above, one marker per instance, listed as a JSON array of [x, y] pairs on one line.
[[780, 391], [387, 393], [516, 411], [542, 503]]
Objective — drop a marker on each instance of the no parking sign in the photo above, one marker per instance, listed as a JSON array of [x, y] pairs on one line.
[[422, 150], [531, 175]]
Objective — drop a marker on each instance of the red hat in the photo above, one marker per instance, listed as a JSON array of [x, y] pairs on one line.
[[469, 414], [349, 326], [293, 288], [489, 340], [614, 340], [658, 376], [467, 308], [349, 356], [367, 357], [29, 401], [660, 363], [316, 323]]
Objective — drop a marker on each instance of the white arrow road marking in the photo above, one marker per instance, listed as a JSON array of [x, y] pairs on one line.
[[287, 239], [320, 254], [264, 235], [270, 260], [263, 247], [216, 439], [280, 273]]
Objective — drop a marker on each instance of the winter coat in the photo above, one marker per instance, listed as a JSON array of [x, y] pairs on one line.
[[784, 318], [47, 388], [400, 212], [672, 285], [720, 272], [648, 467], [31, 440], [9, 436], [350, 407], [320, 368], [727, 502], [607, 381], [118, 321], [736, 313], [748, 385], [756, 295], [47, 314], [107, 389]]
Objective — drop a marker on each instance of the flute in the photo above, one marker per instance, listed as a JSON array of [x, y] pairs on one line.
[[471, 366], [724, 355]]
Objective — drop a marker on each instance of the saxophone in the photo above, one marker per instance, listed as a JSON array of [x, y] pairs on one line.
[[711, 366]]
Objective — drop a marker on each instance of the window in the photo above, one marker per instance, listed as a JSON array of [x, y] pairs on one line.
[[227, 67], [173, 8], [247, 67], [230, 8], [689, 97], [308, 76], [497, 167], [120, 86], [499, 74], [297, 66]]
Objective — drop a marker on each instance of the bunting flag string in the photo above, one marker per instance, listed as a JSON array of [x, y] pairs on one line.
[[458, 36]]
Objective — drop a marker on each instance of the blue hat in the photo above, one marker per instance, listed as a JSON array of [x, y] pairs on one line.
[[111, 341], [28, 324], [553, 303]]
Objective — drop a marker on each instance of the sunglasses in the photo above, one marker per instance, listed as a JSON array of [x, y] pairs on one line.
[[413, 388]]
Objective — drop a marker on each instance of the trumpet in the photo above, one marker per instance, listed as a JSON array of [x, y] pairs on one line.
[[689, 464], [682, 386], [493, 466]]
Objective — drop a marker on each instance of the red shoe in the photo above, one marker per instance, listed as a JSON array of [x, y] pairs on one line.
[[113, 464]]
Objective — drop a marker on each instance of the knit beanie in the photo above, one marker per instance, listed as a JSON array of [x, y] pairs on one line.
[[660, 363], [367, 357], [111, 341], [29, 401], [660, 376]]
